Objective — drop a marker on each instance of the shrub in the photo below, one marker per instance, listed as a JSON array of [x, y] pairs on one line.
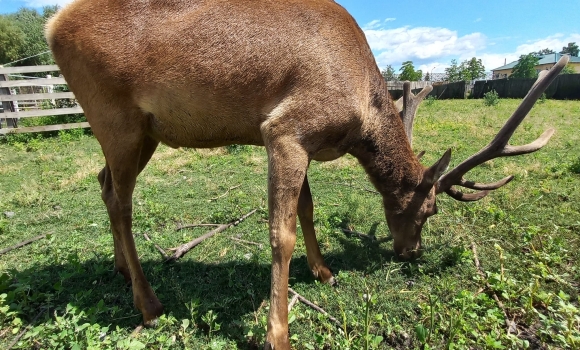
[[491, 98], [430, 100]]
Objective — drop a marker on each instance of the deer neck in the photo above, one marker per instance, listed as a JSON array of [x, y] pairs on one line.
[[387, 157]]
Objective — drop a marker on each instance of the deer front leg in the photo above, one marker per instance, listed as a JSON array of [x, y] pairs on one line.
[[306, 216], [287, 167]]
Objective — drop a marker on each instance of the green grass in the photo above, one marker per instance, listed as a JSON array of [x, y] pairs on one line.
[[216, 297]]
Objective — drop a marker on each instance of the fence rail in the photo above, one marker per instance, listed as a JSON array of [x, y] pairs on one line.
[[21, 98]]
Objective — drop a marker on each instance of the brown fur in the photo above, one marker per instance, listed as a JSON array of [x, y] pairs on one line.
[[295, 76]]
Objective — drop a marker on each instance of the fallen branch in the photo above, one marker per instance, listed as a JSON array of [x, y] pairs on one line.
[[361, 235], [22, 244], [163, 253], [225, 194], [511, 327], [26, 329], [315, 307], [292, 302], [179, 228], [184, 248], [259, 245]]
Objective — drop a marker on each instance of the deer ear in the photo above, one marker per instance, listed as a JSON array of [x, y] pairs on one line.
[[432, 174]]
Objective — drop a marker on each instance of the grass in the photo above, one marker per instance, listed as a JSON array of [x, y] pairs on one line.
[[216, 297]]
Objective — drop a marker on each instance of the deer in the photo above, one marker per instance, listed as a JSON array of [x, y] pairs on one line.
[[296, 77]]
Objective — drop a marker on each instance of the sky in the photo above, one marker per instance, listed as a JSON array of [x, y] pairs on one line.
[[432, 33]]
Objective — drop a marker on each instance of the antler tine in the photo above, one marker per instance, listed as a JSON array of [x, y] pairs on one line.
[[498, 146], [466, 197], [491, 186], [407, 106]]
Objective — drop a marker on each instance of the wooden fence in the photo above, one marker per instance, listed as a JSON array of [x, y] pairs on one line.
[[17, 94]]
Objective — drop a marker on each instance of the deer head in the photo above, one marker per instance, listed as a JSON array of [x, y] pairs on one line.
[[407, 215]]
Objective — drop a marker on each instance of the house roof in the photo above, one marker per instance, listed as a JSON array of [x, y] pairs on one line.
[[545, 59]]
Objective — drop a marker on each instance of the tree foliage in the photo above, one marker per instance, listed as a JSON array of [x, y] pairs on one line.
[[543, 52], [526, 67], [572, 49], [11, 39], [408, 72], [22, 35], [389, 73], [471, 69], [568, 69], [453, 72]]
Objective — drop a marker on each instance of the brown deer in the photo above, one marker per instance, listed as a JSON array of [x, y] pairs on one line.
[[295, 76]]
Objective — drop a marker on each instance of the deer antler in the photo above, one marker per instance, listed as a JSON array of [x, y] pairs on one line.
[[407, 107], [498, 147]]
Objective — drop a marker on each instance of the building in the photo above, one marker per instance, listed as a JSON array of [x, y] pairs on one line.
[[546, 62]]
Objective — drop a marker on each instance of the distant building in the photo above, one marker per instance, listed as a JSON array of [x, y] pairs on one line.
[[546, 62]]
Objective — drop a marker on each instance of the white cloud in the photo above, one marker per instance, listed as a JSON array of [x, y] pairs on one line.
[[377, 23], [41, 3], [422, 45], [554, 42]]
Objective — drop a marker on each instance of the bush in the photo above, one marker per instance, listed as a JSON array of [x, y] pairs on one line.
[[430, 100], [491, 98]]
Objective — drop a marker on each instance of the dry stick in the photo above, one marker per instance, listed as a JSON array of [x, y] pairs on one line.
[[509, 324], [225, 194], [184, 248], [163, 253], [179, 228], [23, 243], [292, 302], [315, 307], [26, 329], [361, 235], [260, 245]]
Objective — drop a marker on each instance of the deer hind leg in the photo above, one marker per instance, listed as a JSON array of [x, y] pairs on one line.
[[126, 150], [147, 150], [287, 167], [306, 216]]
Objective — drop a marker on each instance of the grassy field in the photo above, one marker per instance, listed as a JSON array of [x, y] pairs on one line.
[[62, 293]]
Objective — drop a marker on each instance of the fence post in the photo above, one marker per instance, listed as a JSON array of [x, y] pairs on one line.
[[7, 106]]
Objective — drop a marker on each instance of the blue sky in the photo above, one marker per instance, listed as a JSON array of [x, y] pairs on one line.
[[432, 33]]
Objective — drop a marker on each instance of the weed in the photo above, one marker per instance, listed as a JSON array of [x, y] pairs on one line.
[[237, 149], [491, 98], [542, 98], [430, 100], [574, 167]]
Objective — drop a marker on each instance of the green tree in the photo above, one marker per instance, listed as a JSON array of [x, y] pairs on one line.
[[389, 73], [453, 72], [572, 49], [568, 69], [472, 69], [11, 40], [543, 52], [408, 72], [29, 24], [526, 67]]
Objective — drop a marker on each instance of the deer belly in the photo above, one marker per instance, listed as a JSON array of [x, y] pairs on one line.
[[327, 154], [186, 129]]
